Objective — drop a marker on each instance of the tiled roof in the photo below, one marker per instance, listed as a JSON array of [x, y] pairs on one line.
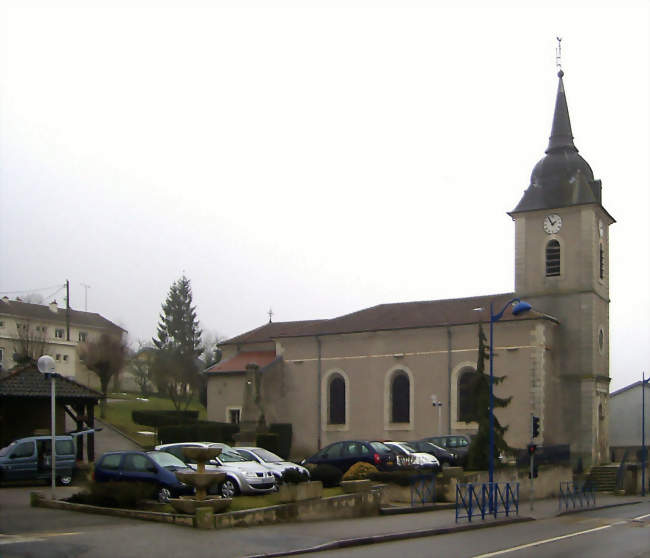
[[240, 360], [400, 315], [40, 312], [269, 331], [29, 382]]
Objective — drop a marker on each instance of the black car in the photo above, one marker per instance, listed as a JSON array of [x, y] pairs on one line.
[[445, 457], [345, 454], [458, 444], [154, 467]]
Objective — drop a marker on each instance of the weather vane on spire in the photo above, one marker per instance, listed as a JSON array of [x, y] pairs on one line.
[[270, 313], [558, 54]]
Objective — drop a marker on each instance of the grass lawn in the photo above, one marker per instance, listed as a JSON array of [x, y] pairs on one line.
[[118, 413]]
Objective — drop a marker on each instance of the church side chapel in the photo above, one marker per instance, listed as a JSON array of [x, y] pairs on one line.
[[380, 373]]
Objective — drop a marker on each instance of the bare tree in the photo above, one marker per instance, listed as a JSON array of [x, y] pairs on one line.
[[140, 364], [105, 357], [30, 343]]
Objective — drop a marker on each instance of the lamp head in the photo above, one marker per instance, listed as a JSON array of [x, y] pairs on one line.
[[46, 365], [521, 308]]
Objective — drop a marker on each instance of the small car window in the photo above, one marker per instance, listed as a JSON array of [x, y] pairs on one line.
[[64, 447], [26, 449], [111, 462], [462, 442], [333, 451]]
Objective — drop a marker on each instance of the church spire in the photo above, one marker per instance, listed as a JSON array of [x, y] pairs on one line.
[[561, 134]]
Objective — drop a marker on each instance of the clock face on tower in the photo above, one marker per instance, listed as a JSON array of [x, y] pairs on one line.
[[552, 224]]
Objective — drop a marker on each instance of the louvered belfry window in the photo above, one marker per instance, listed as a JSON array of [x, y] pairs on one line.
[[553, 258]]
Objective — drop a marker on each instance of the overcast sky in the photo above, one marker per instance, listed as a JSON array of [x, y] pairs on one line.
[[313, 157]]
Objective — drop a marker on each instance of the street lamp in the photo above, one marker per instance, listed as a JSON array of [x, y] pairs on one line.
[[644, 460], [437, 403], [46, 367], [519, 307]]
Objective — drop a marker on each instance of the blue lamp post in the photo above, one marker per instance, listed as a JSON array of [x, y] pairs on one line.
[[520, 307]]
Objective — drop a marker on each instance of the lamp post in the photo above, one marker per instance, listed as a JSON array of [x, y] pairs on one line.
[[47, 368], [644, 460], [520, 307], [437, 403]]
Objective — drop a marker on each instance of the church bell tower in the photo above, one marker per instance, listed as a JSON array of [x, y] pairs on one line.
[[562, 269]]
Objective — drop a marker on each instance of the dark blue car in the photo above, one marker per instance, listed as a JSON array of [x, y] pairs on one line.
[[155, 467]]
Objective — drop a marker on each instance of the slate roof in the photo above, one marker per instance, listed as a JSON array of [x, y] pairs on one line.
[[29, 382], [40, 312], [399, 315], [240, 360]]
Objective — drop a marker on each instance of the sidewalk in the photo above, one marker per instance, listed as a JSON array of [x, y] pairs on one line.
[[300, 538]]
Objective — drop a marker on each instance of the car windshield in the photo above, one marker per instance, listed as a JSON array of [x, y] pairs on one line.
[[230, 456], [380, 448], [266, 455], [5, 451], [165, 459], [408, 447]]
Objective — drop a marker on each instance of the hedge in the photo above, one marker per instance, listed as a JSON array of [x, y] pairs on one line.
[[285, 433], [157, 419], [200, 431]]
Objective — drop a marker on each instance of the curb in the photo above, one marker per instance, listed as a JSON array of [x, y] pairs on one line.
[[400, 510], [376, 539]]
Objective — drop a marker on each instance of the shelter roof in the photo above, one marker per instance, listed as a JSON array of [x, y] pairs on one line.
[[29, 382]]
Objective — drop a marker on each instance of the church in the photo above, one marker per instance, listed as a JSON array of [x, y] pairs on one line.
[[400, 371]]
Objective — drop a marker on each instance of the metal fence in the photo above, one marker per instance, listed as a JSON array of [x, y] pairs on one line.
[[486, 499], [576, 495]]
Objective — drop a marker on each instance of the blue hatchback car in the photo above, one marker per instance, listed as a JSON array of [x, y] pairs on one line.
[[155, 467]]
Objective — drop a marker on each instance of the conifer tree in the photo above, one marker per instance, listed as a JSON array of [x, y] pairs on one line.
[[479, 451], [176, 366]]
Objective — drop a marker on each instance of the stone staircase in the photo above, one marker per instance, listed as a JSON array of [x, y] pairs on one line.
[[603, 477]]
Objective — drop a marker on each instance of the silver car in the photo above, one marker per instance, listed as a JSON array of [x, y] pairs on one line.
[[242, 476], [271, 461]]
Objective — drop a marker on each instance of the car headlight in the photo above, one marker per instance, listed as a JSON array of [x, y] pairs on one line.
[[250, 475]]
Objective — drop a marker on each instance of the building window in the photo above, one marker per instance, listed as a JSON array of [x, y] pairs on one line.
[[602, 262], [83, 337], [2, 324], [233, 415], [400, 395], [2, 354], [59, 333], [336, 400], [65, 357], [553, 258], [466, 395], [58, 357]]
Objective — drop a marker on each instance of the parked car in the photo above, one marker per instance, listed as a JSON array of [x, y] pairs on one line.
[[408, 456], [30, 459], [345, 454], [243, 476], [445, 457], [458, 444], [155, 467], [271, 461]]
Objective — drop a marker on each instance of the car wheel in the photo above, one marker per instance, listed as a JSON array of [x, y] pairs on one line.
[[164, 495], [229, 488], [65, 480]]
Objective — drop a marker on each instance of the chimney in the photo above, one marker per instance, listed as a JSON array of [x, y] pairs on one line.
[[54, 307]]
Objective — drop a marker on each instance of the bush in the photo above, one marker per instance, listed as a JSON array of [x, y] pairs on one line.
[[329, 475], [359, 471], [199, 431], [285, 433], [401, 478], [294, 476], [267, 440], [115, 494]]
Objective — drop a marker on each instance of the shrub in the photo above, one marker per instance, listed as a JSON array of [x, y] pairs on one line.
[[115, 494], [285, 433], [267, 440], [202, 430], [294, 476], [359, 471], [329, 475], [157, 419]]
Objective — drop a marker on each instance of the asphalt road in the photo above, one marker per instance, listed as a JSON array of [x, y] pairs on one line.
[[614, 532]]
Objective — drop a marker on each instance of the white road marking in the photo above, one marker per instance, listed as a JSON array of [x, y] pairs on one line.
[[36, 537], [545, 541], [641, 517]]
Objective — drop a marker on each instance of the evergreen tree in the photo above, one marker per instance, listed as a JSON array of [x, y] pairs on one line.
[[479, 451], [176, 366]]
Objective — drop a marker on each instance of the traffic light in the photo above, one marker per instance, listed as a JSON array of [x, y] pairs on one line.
[[534, 426], [531, 449], [535, 472]]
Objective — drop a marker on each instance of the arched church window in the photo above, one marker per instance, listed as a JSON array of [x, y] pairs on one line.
[[466, 397], [336, 411], [553, 258], [400, 397]]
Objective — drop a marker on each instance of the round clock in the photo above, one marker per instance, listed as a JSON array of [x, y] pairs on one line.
[[552, 224], [601, 228]]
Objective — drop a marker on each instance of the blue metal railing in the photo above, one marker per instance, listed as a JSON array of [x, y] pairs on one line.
[[423, 489], [486, 499], [576, 495]]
